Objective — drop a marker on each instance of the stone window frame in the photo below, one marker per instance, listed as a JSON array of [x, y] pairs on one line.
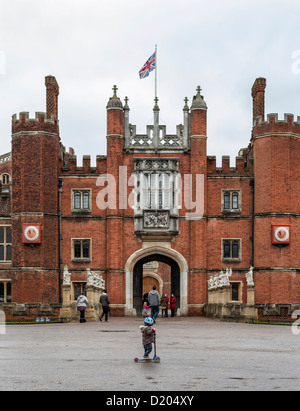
[[231, 192], [8, 181], [5, 282], [82, 191], [231, 241], [5, 244], [81, 258], [162, 177], [5, 183], [156, 191]]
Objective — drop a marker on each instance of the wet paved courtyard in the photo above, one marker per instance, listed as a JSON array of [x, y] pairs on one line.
[[197, 354]]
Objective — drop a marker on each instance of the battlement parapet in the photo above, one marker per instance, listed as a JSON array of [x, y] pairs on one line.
[[69, 165], [239, 169], [5, 158], [274, 125], [23, 123]]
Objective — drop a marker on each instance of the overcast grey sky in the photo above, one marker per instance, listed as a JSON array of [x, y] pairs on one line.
[[221, 45]]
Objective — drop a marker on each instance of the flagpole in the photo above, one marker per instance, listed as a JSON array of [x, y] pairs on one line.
[[155, 72]]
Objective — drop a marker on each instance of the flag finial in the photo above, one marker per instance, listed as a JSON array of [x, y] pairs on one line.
[[114, 101], [186, 107]]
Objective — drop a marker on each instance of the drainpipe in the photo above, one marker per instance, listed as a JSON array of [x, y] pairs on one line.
[[252, 223], [60, 184]]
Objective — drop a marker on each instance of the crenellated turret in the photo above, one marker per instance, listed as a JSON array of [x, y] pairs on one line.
[[35, 154], [276, 152]]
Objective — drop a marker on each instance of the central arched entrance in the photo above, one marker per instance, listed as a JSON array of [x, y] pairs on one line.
[[138, 279], [134, 277]]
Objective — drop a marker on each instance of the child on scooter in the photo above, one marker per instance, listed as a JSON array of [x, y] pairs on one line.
[[147, 336]]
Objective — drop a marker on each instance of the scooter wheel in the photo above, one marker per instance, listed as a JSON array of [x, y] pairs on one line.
[[157, 359]]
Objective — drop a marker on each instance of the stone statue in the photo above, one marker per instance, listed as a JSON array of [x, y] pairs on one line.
[[95, 280], [67, 276], [210, 282], [249, 277], [90, 276]]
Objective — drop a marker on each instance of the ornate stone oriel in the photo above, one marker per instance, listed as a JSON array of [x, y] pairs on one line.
[[156, 192]]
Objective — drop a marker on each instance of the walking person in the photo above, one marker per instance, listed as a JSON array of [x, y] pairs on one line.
[[82, 302], [164, 303], [104, 301], [145, 310], [154, 301], [172, 305]]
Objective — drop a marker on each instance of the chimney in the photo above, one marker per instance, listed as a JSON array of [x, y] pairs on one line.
[[258, 95], [52, 92]]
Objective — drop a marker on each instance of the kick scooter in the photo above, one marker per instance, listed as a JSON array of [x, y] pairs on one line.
[[155, 357]]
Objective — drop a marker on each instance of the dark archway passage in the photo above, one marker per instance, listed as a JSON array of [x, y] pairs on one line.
[[138, 279]]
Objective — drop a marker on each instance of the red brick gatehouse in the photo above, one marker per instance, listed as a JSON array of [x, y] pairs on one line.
[[156, 210]]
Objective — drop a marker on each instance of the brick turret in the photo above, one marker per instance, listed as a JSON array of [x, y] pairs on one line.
[[198, 170], [276, 151], [198, 115], [115, 145], [114, 115], [35, 149]]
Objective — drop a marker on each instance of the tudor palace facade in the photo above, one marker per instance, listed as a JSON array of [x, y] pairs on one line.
[[156, 210]]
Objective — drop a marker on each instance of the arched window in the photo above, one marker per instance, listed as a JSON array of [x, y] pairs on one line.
[[231, 200], [5, 244], [235, 249], [81, 200], [235, 200], [231, 249], [77, 200], [227, 247], [227, 201], [5, 179], [81, 249], [77, 249], [86, 249], [86, 200]]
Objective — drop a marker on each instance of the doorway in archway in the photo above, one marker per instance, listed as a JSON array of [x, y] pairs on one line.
[[144, 283], [148, 283]]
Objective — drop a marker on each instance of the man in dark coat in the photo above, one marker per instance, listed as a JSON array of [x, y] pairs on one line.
[[154, 301], [104, 301]]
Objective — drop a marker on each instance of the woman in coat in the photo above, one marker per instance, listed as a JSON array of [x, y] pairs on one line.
[[164, 305], [172, 305], [82, 301]]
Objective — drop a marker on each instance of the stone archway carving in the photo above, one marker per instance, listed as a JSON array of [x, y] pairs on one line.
[[146, 252]]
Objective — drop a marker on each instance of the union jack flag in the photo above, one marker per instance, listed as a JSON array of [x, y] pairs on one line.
[[148, 66]]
